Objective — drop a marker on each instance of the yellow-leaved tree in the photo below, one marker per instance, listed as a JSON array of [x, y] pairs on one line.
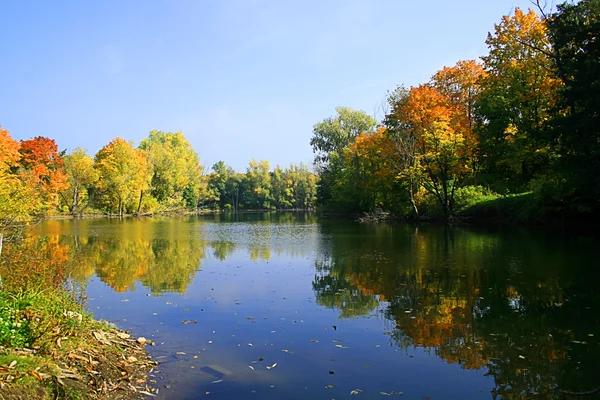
[[123, 176]]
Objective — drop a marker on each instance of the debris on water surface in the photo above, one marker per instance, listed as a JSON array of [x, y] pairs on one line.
[[313, 341], [355, 391], [189, 321], [331, 372], [251, 367], [329, 387], [271, 366], [218, 381]]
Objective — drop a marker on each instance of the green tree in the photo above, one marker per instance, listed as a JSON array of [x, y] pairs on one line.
[[259, 181], [575, 32], [329, 139], [217, 182], [174, 166]]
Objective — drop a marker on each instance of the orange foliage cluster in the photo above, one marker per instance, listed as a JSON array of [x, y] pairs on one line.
[[33, 164]]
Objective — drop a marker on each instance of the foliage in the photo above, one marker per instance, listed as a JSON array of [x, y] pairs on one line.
[[468, 196], [574, 32], [82, 176], [124, 176], [519, 93], [330, 138], [174, 166]]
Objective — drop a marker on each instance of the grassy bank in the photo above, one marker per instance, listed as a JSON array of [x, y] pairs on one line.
[[50, 347], [53, 349]]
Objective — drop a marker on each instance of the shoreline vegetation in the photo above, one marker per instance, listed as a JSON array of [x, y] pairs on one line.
[[50, 346], [513, 137], [64, 353]]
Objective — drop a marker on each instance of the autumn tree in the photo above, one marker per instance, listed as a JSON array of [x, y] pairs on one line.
[[123, 176], [461, 84], [428, 121], [369, 161], [41, 166], [16, 198], [519, 91], [81, 174]]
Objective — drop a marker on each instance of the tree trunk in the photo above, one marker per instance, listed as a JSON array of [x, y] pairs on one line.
[[140, 203], [75, 205]]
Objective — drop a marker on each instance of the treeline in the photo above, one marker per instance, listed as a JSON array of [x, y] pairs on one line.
[[163, 173], [260, 188], [524, 119]]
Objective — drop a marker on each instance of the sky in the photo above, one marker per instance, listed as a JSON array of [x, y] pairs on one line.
[[241, 79]]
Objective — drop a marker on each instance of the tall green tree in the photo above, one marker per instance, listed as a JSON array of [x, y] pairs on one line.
[[217, 182], [329, 139], [174, 166], [259, 181], [575, 37]]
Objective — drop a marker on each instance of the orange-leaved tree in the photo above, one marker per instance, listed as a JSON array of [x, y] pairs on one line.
[[19, 198], [369, 176], [431, 121], [42, 167]]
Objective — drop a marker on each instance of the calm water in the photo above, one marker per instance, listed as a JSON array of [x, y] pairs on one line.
[[292, 307]]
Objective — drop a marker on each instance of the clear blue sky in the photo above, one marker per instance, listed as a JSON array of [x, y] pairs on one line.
[[241, 79]]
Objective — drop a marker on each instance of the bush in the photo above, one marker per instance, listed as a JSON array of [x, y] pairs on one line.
[[468, 196]]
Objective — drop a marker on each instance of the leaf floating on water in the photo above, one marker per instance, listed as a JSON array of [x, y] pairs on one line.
[[355, 391], [260, 359], [251, 367], [339, 346], [271, 366], [384, 394], [313, 341], [147, 393], [521, 357], [181, 353], [287, 351], [217, 381], [329, 387], [250, 344]]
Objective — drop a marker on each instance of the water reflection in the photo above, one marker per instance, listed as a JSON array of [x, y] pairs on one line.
[[519, 306], [512, 304]]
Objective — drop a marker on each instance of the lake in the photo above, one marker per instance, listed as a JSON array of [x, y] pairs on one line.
[[290, 306]]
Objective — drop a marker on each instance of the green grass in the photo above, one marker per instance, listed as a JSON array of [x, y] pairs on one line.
[[519, 208]]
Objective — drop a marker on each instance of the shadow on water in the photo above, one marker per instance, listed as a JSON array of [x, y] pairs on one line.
[[382, 309]]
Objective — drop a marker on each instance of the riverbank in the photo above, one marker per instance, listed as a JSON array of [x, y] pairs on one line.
[[523, 209], [53, 349]]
